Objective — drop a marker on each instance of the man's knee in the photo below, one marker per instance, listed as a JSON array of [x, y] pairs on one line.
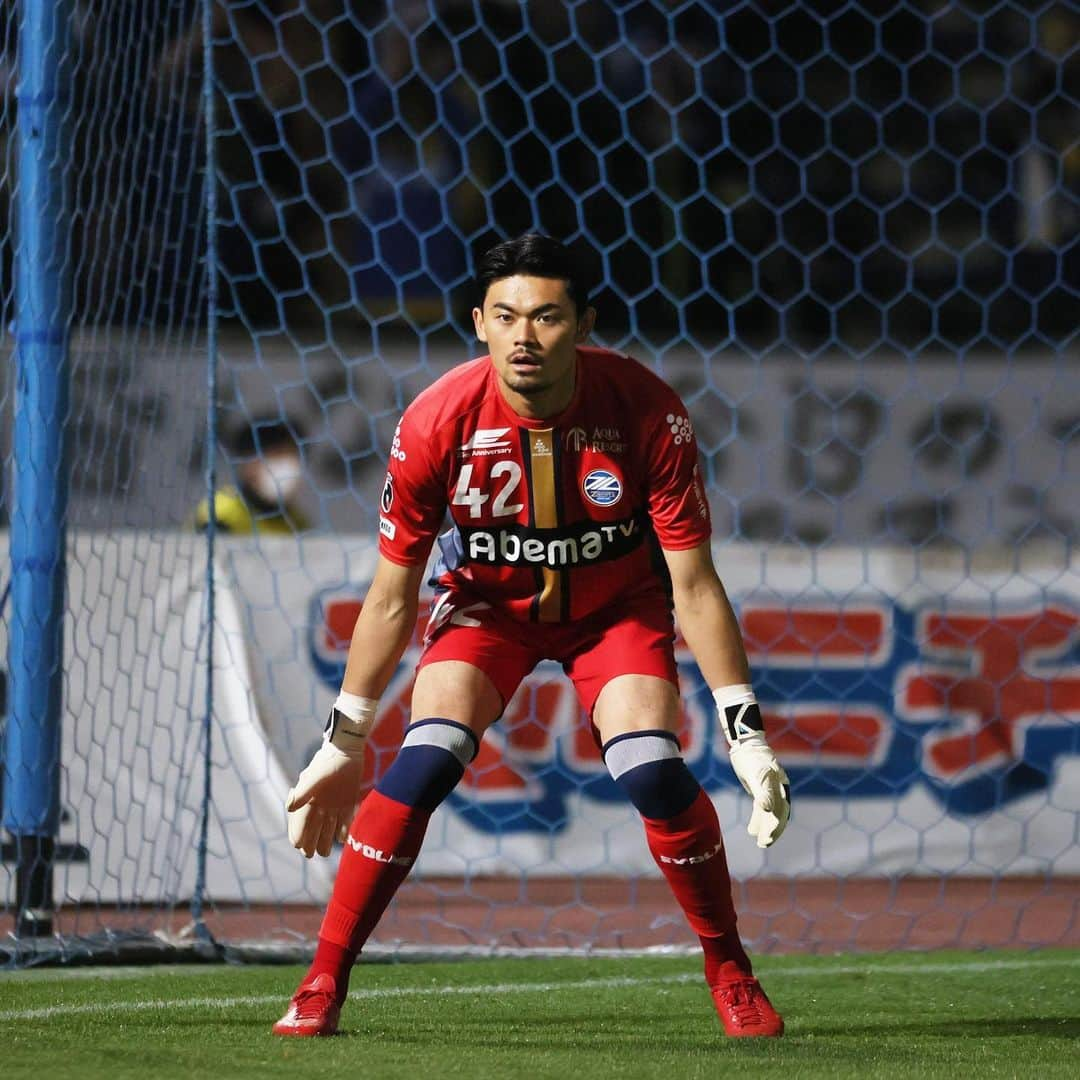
[[459, 692], [648, 766], [433, 757], [630, 703]]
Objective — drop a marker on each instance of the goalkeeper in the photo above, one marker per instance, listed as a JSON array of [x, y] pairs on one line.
[[578, 523]]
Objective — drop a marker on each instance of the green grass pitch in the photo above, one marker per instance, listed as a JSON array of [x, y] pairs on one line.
[[945, 1014]]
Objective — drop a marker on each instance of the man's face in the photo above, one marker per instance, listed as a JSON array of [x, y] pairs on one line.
[[532, 329]]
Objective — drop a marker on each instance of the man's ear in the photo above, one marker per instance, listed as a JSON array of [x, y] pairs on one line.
[[586, 323], [478, 323]]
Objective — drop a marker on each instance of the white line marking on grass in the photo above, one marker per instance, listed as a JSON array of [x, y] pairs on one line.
[[91, 1008], [97, 1008], [102, 973], [949, 967], [614, 982]]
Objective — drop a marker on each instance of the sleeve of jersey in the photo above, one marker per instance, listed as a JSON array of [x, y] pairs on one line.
[[677, 504], [413, 502]]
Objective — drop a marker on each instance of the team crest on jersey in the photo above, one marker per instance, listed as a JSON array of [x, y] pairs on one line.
[[602, 487], [387, 499]]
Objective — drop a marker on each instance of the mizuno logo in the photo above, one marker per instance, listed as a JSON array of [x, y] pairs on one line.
[[693, 860], [487, 441], [377, 855]]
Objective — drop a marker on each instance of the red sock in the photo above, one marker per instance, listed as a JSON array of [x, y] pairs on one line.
[[725, 958], [384, 840], [689, 850]]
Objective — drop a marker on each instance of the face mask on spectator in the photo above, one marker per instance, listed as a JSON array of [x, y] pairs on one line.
[[277, 478]]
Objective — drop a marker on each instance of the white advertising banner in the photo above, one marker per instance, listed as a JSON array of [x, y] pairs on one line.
[[925, 707]]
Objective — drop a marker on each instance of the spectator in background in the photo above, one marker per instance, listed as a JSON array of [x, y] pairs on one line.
[[264, 456], [1050, 169]]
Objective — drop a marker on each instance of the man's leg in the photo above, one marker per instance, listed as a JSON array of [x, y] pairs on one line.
[[636, 716], [457, 703]]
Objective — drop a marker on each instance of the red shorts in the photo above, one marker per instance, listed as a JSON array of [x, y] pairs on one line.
[[636, 640]]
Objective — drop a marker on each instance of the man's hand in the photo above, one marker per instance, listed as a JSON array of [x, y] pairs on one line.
[[754, 762], [767, 784], [322, 805]]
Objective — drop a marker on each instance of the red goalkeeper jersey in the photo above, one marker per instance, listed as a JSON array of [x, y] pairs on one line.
[[552, 519]]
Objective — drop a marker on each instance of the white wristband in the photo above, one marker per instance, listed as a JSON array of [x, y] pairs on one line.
[[740, 716], [737, 694], [351, 718], [360, 710]]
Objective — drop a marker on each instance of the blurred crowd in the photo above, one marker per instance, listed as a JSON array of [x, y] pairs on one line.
[[774, 173]]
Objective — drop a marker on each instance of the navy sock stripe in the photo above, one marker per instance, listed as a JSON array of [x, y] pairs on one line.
[[660, 789], [661, 786], [425, 772]]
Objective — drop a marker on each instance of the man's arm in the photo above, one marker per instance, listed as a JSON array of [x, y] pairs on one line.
[[705, 616], [322, 804], [383, 629], [711, 630]]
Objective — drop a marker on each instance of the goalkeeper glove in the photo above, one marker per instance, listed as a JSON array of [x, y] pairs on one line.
[[322, 804], [754, 763]]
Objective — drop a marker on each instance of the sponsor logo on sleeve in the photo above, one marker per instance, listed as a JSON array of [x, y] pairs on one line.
[[602, 487], [387, 528], [395, 447], [680, 427], [485, 442], [699, 493]]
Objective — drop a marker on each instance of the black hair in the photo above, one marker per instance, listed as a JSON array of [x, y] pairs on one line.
[[536, 256], [262, 435]]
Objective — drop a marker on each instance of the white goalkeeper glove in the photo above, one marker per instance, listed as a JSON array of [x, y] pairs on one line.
[[754, 763], [322, 804]]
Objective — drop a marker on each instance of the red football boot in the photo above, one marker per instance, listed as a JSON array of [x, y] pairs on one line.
[[314, 1010], [745, 1011]]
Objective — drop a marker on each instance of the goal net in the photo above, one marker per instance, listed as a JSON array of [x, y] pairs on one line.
[[846, 234]]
